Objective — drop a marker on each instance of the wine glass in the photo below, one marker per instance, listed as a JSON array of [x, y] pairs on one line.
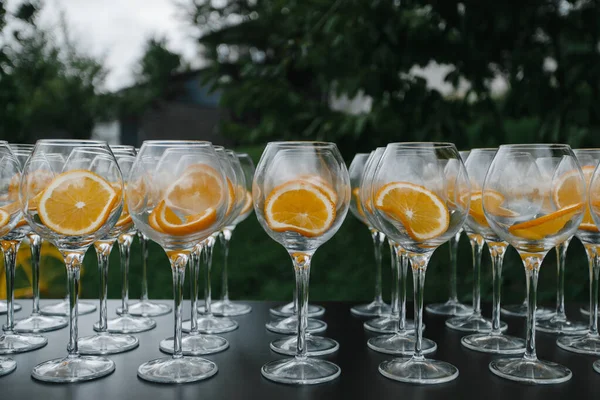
[[377, 307], [520, 204], [207, 322], [452, 307], [594, 207], [145, 307], [414, 196], [125, 322], [177, 202], [587, 233], [301, 194], [105, 342], [226, 307], [35, 322], [12, 231], [401, 339], [494, 341], [79, 206]]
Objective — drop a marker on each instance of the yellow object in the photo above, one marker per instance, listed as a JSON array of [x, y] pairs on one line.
[[359, 207], [199, 188], [299, 206], [170, 223], [423, 213], [548, 225], [569, 190], [247, 204]]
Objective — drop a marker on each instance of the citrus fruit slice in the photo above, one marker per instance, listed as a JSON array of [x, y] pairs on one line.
[[248, 204], [77, 202], [173, 224], [200, 187], [493, 203], [423, 213], [568, 190], [4, 218], [359, 208], [322, 184], [548, 225], [299, 206]]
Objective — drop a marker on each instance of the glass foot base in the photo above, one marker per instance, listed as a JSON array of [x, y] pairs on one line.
[[451, 308], [373, 309], [588, 344], [11, 342], [561, 325], [494, 344], [106, 343], [287, 310], [177, 370], [7, 365], [400, 344], [62, 309], [196, 345], [146, 309], [226, 308], [585, 310], [420, 371], [37, 323], [387, 325], [76, 369], [520, 310], [300, 371], [315, 346], [211, 324], [473, 323], [289, 325], [4, 308], [128, 324], [530, 371], [596, 366]]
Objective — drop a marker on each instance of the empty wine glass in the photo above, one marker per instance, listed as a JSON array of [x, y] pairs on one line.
[[35, 322], [453, 307], [79, 206], [525, 207], [301, 194], [493, 341], [13, 230], [177, 202]]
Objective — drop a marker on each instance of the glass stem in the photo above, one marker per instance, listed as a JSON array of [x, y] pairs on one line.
[[73, 262], [594, 266], [103, 250], [225, 237], [209, 244], [453, 246], [194, 264], [10, 248], [144, 246], [395, 313], [178, 263], [419, 268], [125, 241], [302, 270], [35, 245], [477, 247], [403, 269], [561, 256], [497, 252], [532, 264], [378, 239]]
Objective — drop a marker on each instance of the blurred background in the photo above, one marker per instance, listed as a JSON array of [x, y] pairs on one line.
[[355, 72]]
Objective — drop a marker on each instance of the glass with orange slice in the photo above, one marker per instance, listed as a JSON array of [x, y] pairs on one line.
[[490, 339], [78, 207], [12, 232], [35, 322], [244, 168], [414, 197], [588, 342], [177, 195], [453, 307], [479, 233], [531, 221], [377, 307], [301, 194]]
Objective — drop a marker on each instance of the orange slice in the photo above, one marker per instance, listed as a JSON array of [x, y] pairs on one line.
[[321, 184], [356, 194], [299, 206], [4, 218], [77, 202], [172, 224], [199, 188], [247, 204], [568, 190], [423, 213], [548, 225], [493, 203]]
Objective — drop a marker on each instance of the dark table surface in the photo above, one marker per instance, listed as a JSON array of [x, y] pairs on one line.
[[239, 367]]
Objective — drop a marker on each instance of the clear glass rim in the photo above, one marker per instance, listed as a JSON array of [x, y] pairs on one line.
[[72, 142], [587, 150], [535, 146], [303, 143], [121, 147], [429, 145], [21, 146], [172, 143], [241, 154], [484, 150]]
